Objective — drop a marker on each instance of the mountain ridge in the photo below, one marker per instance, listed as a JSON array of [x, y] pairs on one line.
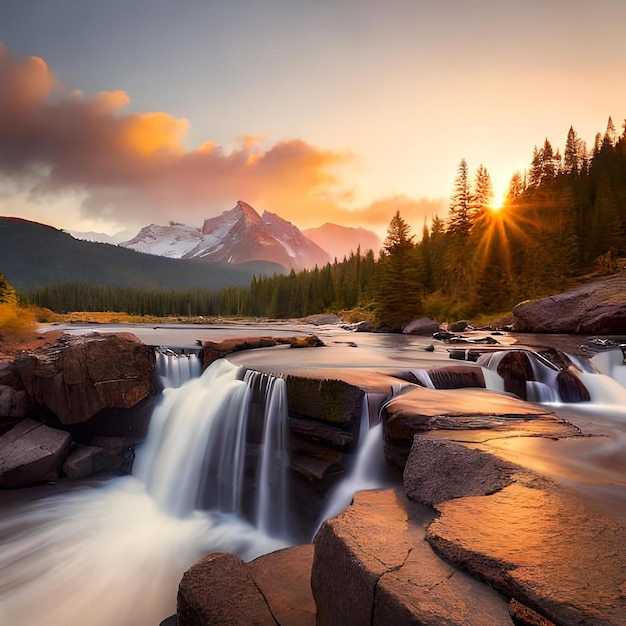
[[236, 236], [34, 254]]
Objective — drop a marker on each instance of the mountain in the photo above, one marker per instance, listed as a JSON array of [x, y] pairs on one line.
[[237, 236], [33, 254], [91, 235], [339, 241]]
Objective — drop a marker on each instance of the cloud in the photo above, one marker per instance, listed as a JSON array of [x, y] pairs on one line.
[[133, 167]]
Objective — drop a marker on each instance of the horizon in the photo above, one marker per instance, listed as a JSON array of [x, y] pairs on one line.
[[115, 116]]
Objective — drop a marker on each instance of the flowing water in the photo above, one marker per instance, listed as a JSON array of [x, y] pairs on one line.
[[111, 552]]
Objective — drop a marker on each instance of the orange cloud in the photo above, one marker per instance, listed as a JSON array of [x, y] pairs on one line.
[[134, 168]]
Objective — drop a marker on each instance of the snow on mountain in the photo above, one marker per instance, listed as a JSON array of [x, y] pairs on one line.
[[235, 236], [340, 241], [91, 235], [173, 241]]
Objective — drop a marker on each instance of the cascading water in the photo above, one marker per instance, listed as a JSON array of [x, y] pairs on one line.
[[369, 469], [176, 368], [82, 557]]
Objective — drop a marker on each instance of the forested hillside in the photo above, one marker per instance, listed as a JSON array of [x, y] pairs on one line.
[[564, 220], [33, 255]]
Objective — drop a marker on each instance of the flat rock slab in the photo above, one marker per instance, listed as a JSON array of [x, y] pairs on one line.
[[284, 578], [31, 453], [542, 547], [419, 410], [439, 470], [372, 565]]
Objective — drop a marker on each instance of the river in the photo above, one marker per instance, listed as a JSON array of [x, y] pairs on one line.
[[110, 552]]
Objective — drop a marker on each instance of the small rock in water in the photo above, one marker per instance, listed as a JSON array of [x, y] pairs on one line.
[[430, 348]]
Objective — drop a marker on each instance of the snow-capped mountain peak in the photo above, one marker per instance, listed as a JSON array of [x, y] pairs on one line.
[[236, 236]]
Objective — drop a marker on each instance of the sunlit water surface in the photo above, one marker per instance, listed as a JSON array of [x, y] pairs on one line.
[[105, 553]]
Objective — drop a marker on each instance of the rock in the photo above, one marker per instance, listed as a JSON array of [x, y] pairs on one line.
[[571, 388], [478, 412], [516, 369], [212, 350], [542, 547], [31, 453], [598, 307], [323, 319], [364, 326], [372, 566], [273, 589], [326, 400], [79, 376], [219, 590], [284, 578], [439, 470], [523, 616], [421, 326], [458, 327], [13, 403], [323, 434], [457, 377], [85, 461]]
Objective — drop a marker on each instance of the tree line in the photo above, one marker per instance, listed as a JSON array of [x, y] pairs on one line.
[[564, 219]]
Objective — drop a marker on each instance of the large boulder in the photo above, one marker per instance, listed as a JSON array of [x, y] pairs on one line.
[[273, 589], [372, 566], [31, 453], [596, 308], [74, 379], [421, 326]]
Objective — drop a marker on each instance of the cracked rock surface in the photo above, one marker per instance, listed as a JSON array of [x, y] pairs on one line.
[[395, 577]]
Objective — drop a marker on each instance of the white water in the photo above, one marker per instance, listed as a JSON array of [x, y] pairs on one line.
[[175, 369], [112, 553]]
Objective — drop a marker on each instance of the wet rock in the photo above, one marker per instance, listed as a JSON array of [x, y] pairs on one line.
[[31, 453], [571, 388], [79, 376], [85, 461], [439, 470], [457, 377], [220, 590], [331, 401], [214, 350], [598, 307], [284, 578], [421, 326], [516, 369], [372, 566], [542, 547], [476, 411], [321, 433]]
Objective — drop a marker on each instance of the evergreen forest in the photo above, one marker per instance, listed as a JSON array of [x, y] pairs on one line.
[[563, 221]]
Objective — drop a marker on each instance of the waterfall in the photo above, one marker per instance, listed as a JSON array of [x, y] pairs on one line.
[[196, 451], [175, 369], [369, 469], [271, 501]]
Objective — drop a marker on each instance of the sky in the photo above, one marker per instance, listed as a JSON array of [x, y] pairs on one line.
[[120, 113]]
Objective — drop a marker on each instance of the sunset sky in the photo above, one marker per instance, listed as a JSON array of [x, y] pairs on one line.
[[120, 113]]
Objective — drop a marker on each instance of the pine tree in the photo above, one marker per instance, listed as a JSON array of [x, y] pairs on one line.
[[516, 187], [397, 292], [7, 292], [482, 198], [459, 221]]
